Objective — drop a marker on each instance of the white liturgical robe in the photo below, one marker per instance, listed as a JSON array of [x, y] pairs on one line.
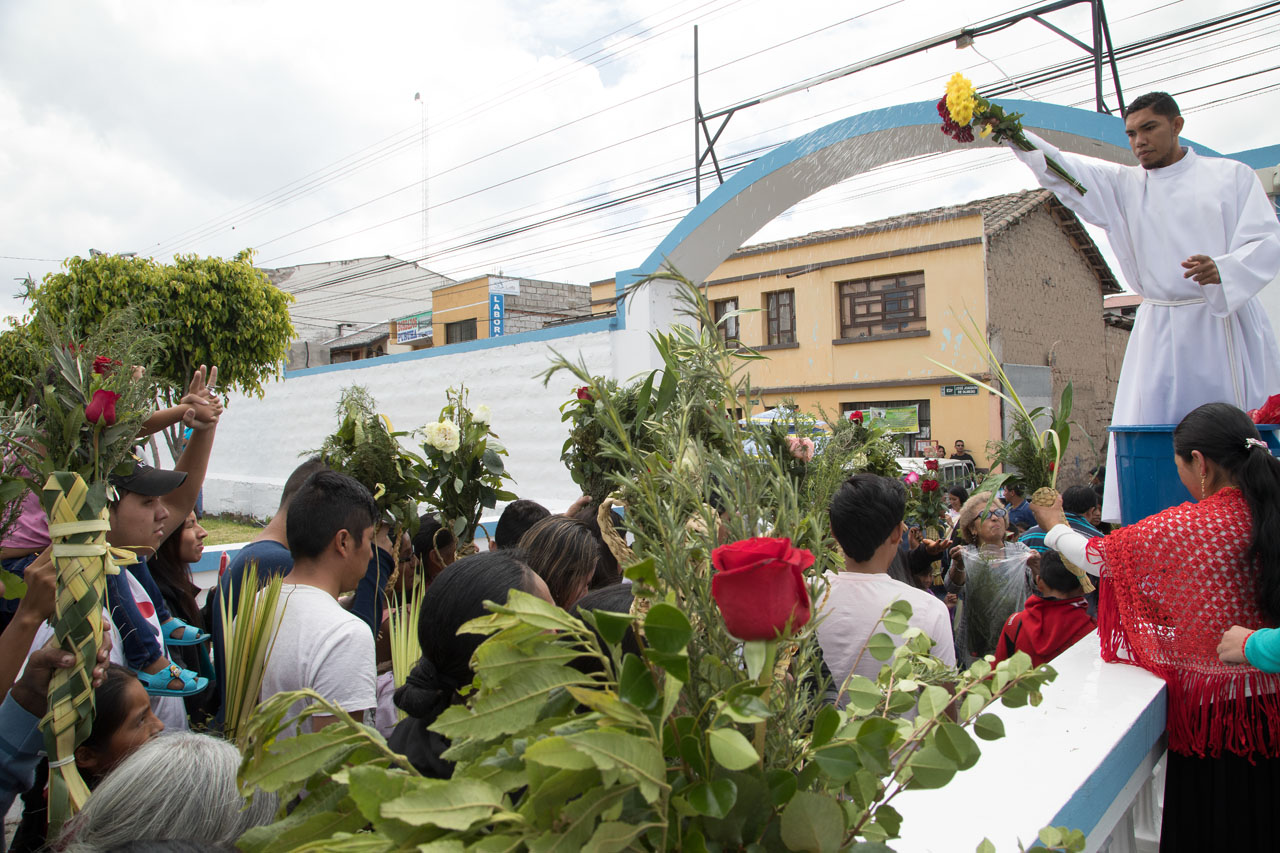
[[1190, 344]]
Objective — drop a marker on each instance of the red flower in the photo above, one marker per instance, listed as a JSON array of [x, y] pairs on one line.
[[759, 587], [584, 393], [928, 485], [1269, 413], [102, 408], [931, 464], [102, 365], [1052, 466], [855, 416]]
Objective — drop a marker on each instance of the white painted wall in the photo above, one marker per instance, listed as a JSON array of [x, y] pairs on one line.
[[259, 442]]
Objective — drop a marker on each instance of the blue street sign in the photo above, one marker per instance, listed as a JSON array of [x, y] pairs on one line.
[[497, 313]]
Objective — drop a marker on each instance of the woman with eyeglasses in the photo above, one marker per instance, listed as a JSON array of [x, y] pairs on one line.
[[1171, 585], [993, 575]]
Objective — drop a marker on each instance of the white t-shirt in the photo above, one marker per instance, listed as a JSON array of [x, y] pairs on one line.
[[321, 646], [852, 610]]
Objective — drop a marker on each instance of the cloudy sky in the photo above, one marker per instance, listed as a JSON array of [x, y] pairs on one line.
[[162, 126]]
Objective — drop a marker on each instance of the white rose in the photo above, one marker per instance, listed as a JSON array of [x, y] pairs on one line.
[[482, 414], [450, 438], [431, 434]]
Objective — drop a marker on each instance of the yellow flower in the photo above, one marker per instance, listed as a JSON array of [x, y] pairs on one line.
[[960, 99], [986, 131]]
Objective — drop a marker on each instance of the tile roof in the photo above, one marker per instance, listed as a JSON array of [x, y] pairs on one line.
[[999, 213], [361, 337]]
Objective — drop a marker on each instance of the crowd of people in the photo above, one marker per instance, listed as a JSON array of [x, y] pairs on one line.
[[997, 581]]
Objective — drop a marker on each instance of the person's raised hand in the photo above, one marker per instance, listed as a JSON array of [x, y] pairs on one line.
[[41, 578], [1048, 516], [937, 546], [31, 690], [204, 406], [957, 557], [1231, 646], [581, 503], [915, 538], [1202, 269]]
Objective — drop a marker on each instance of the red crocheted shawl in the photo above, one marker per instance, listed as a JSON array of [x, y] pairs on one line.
[[1172, 584]]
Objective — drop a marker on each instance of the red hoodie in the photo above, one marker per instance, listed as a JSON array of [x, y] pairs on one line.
[[1045, 628]]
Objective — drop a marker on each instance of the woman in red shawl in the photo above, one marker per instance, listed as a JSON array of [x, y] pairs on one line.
[[1171, 584]]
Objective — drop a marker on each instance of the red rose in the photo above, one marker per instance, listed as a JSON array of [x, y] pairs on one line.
[[928, 485], [855, 416], [759, 587], [931, 464], [1052, 466], [584, 393], [103, 365], [102, 408]]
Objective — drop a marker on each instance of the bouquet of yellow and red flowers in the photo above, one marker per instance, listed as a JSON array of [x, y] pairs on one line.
[[963, 109]]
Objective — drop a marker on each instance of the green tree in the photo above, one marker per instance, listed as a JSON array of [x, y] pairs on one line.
[[18, 361], [210, 311]]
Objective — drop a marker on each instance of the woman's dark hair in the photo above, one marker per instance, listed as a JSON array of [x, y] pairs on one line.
[[455, 597], [109, 706], [1221, 433], [564, 552], [431, 534], [173, 575], [960, 492], [608, 572], [613, 599]]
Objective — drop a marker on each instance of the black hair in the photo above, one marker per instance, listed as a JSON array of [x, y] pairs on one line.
[[1160, 103], [517, 517], [455, 597], [960, 492], [431, 535], [565, 553], [614, 599], [865, 511], [171, 845], [1078, 500], [298, 477], [1222, 434], [608, 572], [326, 503], [110, 710], [1013, 486], [1057, 576], [172, 575]]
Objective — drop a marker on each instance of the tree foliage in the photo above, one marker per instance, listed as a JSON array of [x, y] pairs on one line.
[[19, 363], [210, 310]]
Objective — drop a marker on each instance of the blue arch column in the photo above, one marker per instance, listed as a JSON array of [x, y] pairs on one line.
[[740, 207]]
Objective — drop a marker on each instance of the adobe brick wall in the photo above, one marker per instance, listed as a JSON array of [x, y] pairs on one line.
[[541, 302], [1045, 308]]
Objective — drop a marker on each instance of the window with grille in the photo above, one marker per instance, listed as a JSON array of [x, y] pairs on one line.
[[727, 327], [875, 307], [780, 306], [463, 330]]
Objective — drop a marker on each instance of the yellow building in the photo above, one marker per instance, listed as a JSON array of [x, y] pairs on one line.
[[851, 317]]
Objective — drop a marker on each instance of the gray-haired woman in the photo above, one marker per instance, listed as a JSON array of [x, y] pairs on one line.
[[178, 786]]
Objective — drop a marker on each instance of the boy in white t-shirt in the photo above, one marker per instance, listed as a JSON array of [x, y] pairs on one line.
[[866, 519], [319, 645]]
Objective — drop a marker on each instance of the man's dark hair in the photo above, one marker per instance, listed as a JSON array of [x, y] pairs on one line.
[[326, 503], [431, 535], [1057, 576], [298, 477], [1078, 500], [516, 518], [1161, 103], [1015, 488], [865, 511]]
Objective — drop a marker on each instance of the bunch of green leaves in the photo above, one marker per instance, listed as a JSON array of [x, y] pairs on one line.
[[59, 436], [925, 506], [367, 448], [850, 448], [206, 310], [1022, 457], [19, 361], [247, 640], [700, 741], [461, 483]]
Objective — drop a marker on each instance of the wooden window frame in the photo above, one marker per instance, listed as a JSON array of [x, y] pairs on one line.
[[873, 308], [775, 333]]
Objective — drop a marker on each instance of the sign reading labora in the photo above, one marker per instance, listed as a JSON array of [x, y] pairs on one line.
[[497, 314], [898, 419], [504, 286], [413, 328]]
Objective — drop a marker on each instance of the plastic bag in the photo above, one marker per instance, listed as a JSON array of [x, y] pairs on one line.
[[997, 584]]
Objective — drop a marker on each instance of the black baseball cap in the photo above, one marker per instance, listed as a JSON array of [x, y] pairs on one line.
[[148, 481]]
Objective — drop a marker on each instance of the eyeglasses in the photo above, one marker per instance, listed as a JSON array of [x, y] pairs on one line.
[[993, 513]]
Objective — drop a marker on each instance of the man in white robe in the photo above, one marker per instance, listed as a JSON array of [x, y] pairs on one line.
[[1197, 239]]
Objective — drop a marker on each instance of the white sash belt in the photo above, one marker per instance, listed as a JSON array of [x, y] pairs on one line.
[[1174, 303]]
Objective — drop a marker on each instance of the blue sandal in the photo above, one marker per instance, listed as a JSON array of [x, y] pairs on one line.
[[179, 633], [157, 683]]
